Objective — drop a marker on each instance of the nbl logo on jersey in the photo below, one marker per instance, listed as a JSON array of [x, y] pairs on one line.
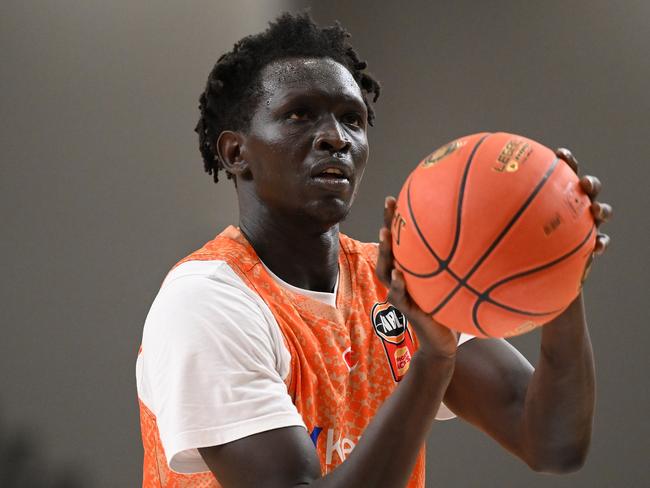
[[392, 328]]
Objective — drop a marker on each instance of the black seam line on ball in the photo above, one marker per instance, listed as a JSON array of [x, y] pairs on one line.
[[429, 275], [461, 196], [506, 307], [495, 243], [485, 296], [443, 263], [514, 219]]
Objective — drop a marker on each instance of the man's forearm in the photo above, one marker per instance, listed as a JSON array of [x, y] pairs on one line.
[[559, 402]]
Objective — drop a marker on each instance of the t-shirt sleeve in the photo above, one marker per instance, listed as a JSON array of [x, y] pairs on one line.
[[444, 412], [213, 366]]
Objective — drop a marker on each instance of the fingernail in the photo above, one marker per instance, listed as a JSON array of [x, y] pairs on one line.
[[386, 200], [381, 235], [592, 183], [393, 274]]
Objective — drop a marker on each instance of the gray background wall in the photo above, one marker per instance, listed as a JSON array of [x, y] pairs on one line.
[[102, 189]]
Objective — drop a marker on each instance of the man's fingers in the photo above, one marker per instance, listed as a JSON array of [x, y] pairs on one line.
[[399, 297], [385, 257], [434, 337], [602, 242], [397, 291], [591, 185], [389, 211], [565, 155], [602, 212]]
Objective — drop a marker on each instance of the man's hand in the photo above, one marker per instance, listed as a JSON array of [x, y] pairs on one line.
[[435, 340], [602, 212]]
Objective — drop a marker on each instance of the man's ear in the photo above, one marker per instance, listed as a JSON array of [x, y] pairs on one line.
[[229, 149]]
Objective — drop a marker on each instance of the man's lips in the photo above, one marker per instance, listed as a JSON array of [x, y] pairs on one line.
[[336, 183], [331, 173], [332, 169], [332, 179]]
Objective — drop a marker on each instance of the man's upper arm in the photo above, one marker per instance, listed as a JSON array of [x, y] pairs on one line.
[[489, 387], [210, 369], [280, 458]]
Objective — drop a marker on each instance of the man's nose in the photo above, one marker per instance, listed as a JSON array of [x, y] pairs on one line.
[[330, 137]]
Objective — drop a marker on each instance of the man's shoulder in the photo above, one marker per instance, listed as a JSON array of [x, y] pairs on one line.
[[200, 296], [229, 246], [214, 269], [211, 280]]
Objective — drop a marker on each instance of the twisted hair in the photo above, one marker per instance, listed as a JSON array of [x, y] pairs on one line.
[[233, 89]]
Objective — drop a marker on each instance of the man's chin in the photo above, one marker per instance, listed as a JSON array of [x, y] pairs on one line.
[[329, 213]]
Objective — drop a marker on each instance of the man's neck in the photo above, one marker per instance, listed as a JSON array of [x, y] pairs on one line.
[[302, 256]]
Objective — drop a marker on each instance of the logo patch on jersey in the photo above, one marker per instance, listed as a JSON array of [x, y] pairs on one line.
[[392, 328]]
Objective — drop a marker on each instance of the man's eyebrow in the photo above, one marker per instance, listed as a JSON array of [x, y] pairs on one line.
[[290, 99]]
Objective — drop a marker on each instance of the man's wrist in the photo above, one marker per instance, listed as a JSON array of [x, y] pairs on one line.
[[432, 361]]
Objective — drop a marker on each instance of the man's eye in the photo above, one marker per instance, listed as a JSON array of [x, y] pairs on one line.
[[353, 119], [298, 115]]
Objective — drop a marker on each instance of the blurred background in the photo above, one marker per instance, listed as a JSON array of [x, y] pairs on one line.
[[102, 190]]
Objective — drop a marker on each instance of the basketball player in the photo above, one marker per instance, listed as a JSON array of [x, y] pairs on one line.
[[279, 354]]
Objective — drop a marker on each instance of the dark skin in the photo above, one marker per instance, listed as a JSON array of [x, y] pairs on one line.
[[312, 116]]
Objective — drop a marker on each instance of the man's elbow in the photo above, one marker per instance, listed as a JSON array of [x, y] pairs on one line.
[[560, 461]]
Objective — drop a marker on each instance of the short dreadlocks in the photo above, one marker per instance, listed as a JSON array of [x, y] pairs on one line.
[[234, 86]]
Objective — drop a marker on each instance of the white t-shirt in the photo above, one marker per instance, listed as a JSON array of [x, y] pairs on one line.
[[213, 362]]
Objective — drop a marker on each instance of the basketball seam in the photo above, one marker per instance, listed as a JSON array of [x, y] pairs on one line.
[[514, 219], [443, 263], [463, 281], [485, 296]]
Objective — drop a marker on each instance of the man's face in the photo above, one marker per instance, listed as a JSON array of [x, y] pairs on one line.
[[307, 144]]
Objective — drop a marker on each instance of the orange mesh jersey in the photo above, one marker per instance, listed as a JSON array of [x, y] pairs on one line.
[[345, 361]]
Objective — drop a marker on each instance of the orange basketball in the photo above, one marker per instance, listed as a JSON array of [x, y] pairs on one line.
[[493, 234]]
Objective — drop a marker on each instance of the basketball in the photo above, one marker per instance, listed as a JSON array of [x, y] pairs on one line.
[[493, 234]]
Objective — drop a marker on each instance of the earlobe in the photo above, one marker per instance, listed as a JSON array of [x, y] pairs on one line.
[[229, 149]]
